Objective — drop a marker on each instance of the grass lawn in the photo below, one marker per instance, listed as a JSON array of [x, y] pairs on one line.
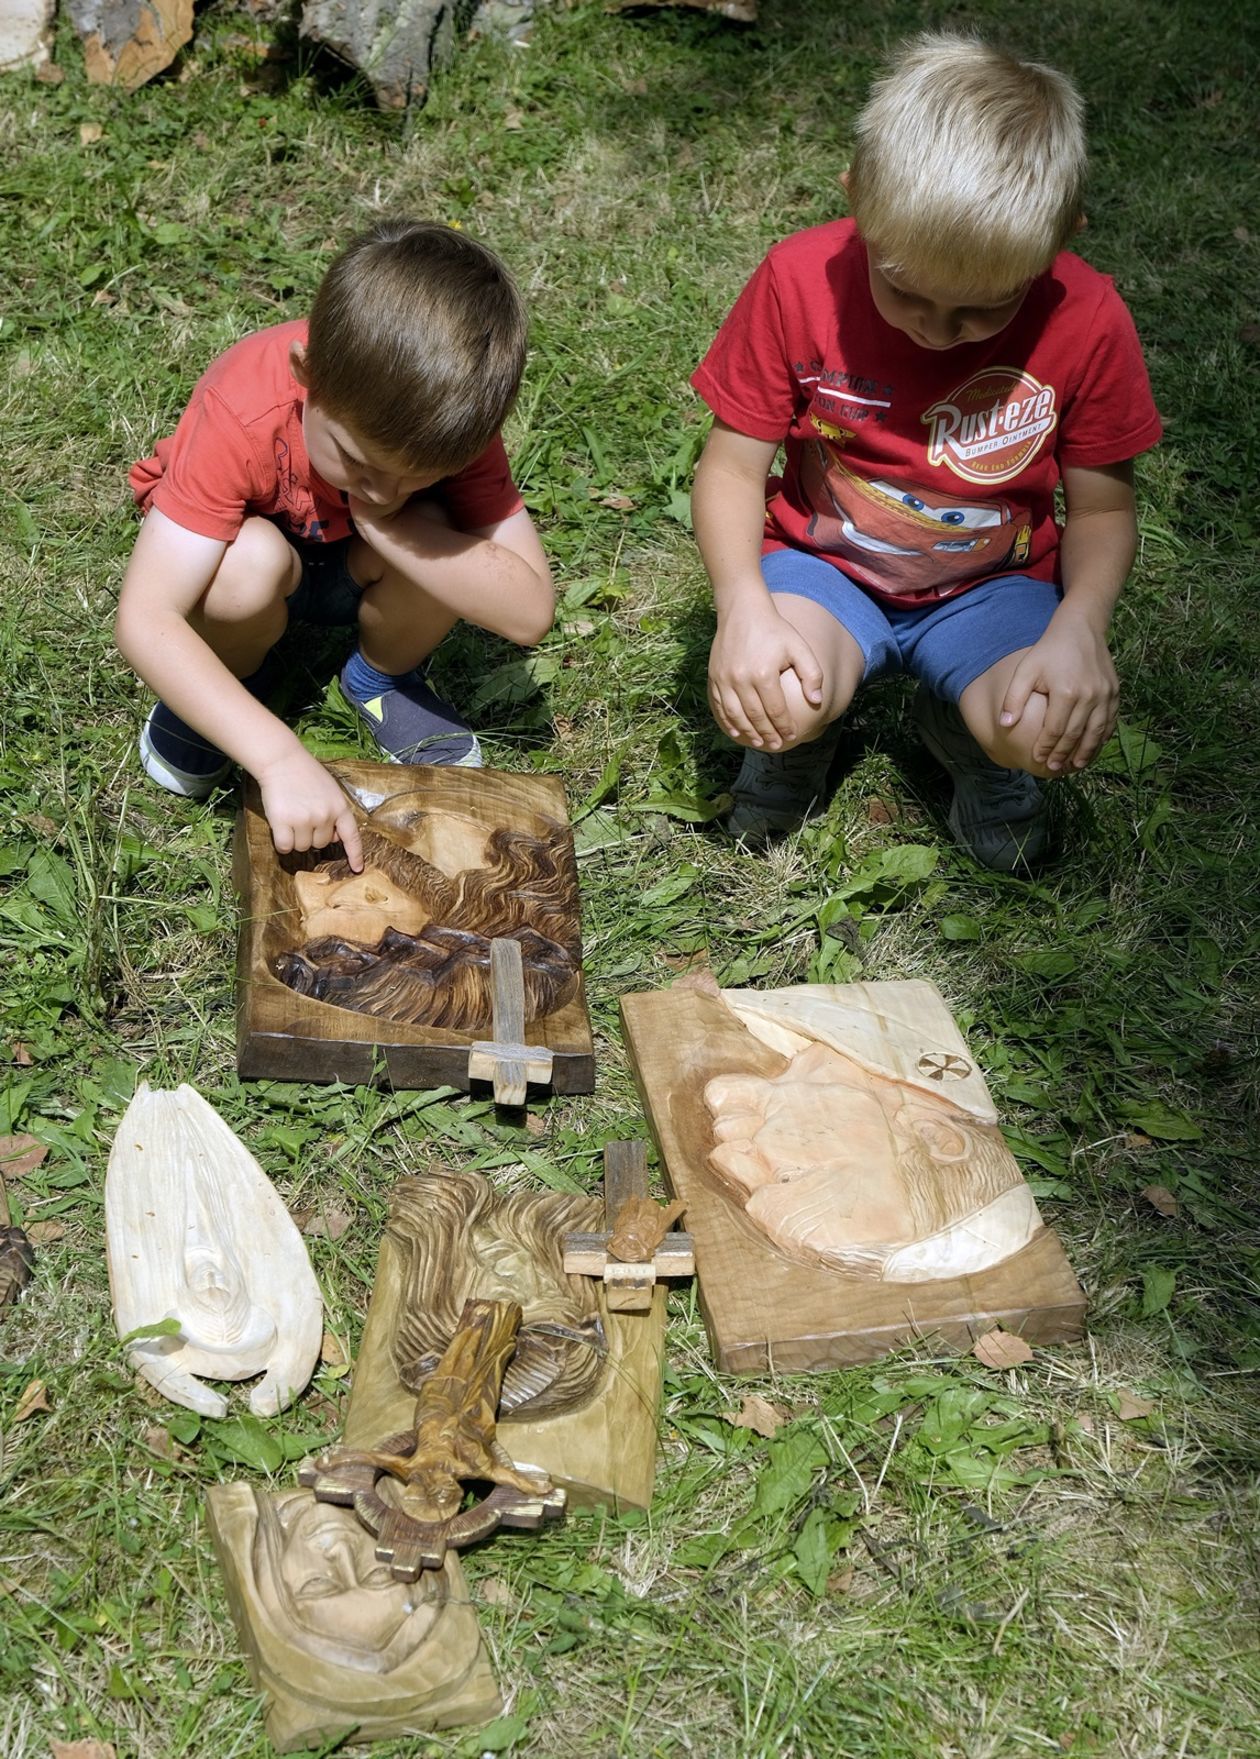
[[933, 1558]]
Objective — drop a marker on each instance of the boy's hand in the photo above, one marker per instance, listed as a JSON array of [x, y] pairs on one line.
[[306, 808], [753, 648], [1071, 667]]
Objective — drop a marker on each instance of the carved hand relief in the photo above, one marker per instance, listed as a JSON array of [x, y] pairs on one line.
[[334, 1642], [462, 1238], [884, 1164], [195, 1234], [407, 941]]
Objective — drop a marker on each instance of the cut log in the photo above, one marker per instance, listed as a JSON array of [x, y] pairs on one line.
[[125, 42], [25, 33], [394, 45]]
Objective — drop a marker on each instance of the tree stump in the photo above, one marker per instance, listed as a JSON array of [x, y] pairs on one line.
[[25, 33], [125, 42]]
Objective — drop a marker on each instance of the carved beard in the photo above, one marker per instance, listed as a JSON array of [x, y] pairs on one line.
[[441, 976]]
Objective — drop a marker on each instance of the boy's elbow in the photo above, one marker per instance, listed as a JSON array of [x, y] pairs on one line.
[[535, 626]]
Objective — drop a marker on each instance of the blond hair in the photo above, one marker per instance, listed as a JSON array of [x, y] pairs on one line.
[[969, 166], [417, 342]]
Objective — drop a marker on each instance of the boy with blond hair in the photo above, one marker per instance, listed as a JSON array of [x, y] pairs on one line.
[[934, 368], [344, 470]]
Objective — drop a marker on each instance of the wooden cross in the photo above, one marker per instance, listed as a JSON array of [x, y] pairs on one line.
[[506, 1060], [637, 1245]]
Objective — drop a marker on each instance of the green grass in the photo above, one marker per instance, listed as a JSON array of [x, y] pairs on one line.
[[932, 1558]]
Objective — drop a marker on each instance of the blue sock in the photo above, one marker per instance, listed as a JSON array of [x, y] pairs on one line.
[[361, 681]]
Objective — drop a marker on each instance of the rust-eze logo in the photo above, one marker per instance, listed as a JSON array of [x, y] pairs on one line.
[[992, 426]]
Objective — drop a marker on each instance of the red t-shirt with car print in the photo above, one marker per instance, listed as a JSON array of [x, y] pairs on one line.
[[918, 472]]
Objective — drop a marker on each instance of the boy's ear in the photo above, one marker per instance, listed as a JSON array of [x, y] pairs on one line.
[[1081, 223], [844, 181], [297, 364]]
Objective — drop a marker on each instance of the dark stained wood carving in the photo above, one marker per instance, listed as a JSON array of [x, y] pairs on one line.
[[389, 974], [452, 1442], [636, 1246]]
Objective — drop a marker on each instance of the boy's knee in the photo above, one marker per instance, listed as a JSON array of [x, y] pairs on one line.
[[1012, 747], [259, 570]]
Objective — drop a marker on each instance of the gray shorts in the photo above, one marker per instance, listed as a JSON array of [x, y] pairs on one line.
[[327, 594]]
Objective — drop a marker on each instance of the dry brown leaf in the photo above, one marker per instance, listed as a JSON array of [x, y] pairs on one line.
[[759, 1414], [1137, 1139], [1129, 1406], [21, 1054], [514, 120], [90, 132], [618, 503], [44, 1233], [82, 1750], [331, 1350], [35, 1398], [494, 1591], [322, 1224], [50, 74], [161, 1442], [1161, 1198], [880, 812], [840, 1581], [534, 1125], [1242, 235], [20, 1155], [1001, 1349]]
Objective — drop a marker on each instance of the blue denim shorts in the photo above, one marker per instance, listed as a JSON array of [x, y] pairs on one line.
[[948, 646], [327, 594]]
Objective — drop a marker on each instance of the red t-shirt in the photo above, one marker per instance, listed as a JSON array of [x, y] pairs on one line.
[[239, 450], [917, 471]]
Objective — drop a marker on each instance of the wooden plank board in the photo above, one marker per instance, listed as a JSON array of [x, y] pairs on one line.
[[603, 1454], [767, 1308], [445, 815]]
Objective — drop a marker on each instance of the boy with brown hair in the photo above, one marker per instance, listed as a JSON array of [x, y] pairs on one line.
[[934, 367], [346, 469]]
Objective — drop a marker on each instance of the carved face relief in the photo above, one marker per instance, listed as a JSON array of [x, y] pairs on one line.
[[854, 1170]]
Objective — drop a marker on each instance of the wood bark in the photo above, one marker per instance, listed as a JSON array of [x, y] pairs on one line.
[[126, 42]]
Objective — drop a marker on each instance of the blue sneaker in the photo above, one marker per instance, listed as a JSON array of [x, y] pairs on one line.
[[412, 724], [775, 791], [999, 814]]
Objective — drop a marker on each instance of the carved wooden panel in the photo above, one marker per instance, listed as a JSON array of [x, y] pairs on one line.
[[847, 1187], [386, 975], [581, 1395]]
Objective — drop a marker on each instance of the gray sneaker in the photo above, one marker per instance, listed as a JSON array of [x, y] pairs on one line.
[[775, 791], [999, 814], [412, 724]]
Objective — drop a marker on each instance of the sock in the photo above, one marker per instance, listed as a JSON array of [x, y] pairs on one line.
[[361, 680]]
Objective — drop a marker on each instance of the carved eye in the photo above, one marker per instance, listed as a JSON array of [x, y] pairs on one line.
[[379, 1578], [318, 1588]]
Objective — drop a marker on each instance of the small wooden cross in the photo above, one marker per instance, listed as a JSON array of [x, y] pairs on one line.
[[506, 1060], [637, 1245]]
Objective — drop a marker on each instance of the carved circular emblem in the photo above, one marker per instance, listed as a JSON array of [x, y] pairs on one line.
[[943, 1066]]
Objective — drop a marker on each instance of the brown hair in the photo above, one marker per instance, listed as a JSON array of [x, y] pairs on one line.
[[417, 342]]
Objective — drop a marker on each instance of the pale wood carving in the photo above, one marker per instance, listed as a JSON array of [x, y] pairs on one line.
[[390, 974], [507, 1062], [581, 1394], [337, 1647], [846, 1184], [195, 1233], [451, 1442], [636, 1246]]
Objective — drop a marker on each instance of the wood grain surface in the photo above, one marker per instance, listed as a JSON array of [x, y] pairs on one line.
[[290, 1037], [765, 1312]]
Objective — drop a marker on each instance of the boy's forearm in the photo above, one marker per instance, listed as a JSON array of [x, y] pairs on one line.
[[1096, 553], [190, 679], [480, 580], [728, 515]]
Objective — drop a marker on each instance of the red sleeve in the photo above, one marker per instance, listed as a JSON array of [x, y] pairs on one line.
[[746, 377], [483, 492], [1110, 416], [209, 473]]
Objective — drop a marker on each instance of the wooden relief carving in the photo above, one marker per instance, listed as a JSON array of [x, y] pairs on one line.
[[451, 1443], [580, 1394], [846, 1183], [334, 1643], [334, 966], [196, 1236]]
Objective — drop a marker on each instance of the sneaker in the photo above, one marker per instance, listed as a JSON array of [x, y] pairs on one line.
[[178, 759], [775, 791], [412, 724], [999, 814]]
